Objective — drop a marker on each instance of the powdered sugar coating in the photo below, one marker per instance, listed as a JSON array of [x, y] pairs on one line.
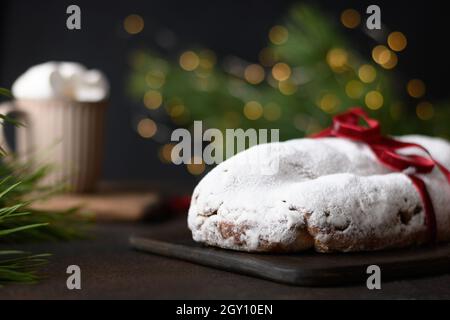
[[331, 194]]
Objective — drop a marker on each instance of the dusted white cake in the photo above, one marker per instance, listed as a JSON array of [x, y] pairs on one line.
[[330, 194]]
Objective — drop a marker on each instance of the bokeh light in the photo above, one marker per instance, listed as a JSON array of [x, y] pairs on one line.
[[133, 24], [272, 112], [381, 54], [253, 110], [367, 73], [155, 79], [189, 61], [153, 99], [147, 128], [397, 41], [392, 61], [374, 100], [267, 57], [416, 88], [350, 18], [329, 103], [165, 153], [194, 168], [278, 35], [354, 89], [425, 110], [207, 59], [337, 59], [254, 74], [287, 87], [281, 71], [176, 110]]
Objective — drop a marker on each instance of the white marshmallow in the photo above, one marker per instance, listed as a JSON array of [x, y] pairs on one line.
[[69, 80]]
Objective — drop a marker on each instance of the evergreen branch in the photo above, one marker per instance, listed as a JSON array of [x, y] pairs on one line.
[[18, 222], [5, 92], [217, 95], [20, 267]]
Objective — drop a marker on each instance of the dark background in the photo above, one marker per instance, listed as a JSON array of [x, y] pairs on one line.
[[33, 32]]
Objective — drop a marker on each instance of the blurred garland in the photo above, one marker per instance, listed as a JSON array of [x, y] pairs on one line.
[[308, 72]]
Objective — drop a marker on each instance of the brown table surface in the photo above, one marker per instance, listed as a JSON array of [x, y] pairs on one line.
[[110, 269]]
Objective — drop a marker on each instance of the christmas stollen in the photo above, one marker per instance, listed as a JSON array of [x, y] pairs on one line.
[[347, 189]]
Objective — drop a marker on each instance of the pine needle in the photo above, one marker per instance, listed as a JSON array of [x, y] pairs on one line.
[[19, 222]]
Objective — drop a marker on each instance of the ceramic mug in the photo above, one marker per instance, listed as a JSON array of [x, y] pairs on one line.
[[63, 133]]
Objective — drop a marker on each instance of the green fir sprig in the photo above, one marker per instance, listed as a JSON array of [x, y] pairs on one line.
[[323, 79], [20, 222]]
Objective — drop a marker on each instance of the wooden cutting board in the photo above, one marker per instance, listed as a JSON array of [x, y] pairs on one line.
[[111, 202], [302, 269]]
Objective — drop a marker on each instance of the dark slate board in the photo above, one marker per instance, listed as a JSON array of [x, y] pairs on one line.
[[302, 269]]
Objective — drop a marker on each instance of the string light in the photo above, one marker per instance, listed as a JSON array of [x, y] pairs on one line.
[[254, 74], [278, 35], [337, 59], [207, 59], [354, 89], [367, 73], [272, 112], [196, 169], [374, 100], [287, 87], [182, 119], [329, 103], [392, 61], [205, 84], [253, 110], [306, 124], [281, 71], [425, 110], [416, 88], [165, 153], [176, 110], [173, 101], [381, 54], [313, 128], [147, 128], [189, 61], [133, 24], [155, 79], [202, 73], [267, 57], [272, 82], [152, 99], [350, 18], [397, 41]]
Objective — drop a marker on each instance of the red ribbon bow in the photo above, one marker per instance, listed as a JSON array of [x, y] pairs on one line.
[[346, 125]]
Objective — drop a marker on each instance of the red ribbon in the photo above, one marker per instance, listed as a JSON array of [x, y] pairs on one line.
[[346, 125]]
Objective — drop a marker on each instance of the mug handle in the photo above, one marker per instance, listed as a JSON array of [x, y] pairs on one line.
[[5, 109]]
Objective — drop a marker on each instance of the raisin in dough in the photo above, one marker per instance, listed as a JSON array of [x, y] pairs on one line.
[[330, 194]]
